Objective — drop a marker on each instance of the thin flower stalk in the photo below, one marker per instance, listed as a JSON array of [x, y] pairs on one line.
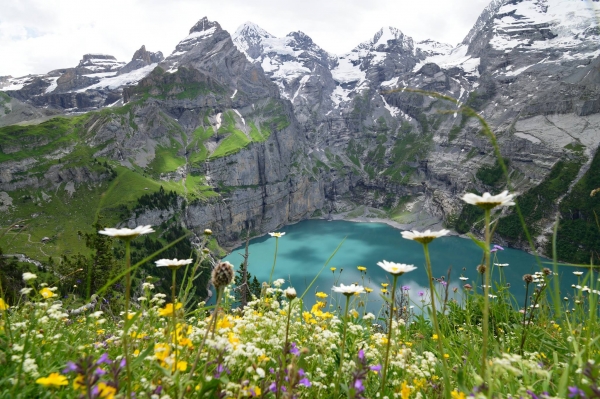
[[276, 235], [389, 337], [436, 324], [486, 301], [343, 346], [126, 322], [527, 278]]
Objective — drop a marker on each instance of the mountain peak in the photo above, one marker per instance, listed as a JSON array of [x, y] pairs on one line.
[[250, 29], [204, 25], [387, 38]]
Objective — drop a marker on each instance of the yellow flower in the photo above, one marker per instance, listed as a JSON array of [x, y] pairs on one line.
[[354, 313], [384, 290], [47, 293], [321, 295], [168, 309], [435, 337], [162, 351], [264, 358], [182, 366], [3, 305], [53, 380], [419, 384], [458, 395], [446, 356], [99, 331], [367, 290], [332, 269], [384, 285], [361, 268], [405, 390], [233, 340], [106, 391], [78, 383]]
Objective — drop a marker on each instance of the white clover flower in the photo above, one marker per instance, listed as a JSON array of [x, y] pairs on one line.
[[173, 263], [277, 235], [397, 269], [26, 290], [348, 289], [126, 233], [149, 286], [425, 237], [278, 283], [29, 276], [488, 201]]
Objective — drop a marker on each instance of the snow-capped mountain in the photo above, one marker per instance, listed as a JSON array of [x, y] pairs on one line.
[[97, 81]]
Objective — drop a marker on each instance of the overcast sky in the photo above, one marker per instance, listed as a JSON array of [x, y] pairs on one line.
[[37, 36]]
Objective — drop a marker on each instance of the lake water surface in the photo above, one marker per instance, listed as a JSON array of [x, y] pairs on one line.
[[307, 245]]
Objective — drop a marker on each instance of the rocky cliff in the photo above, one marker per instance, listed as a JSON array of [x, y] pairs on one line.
[[254, 132]]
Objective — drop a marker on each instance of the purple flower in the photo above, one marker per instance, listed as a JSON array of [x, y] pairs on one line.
[[358, 385], [377, 367], [301, 372], [71, 367], [405, 287], [444, 283], [271, 370], [421, 293], [575, 392], [99, 371], [122, 364], [305, 382], [273, 387], [104, 359], [361, 354], [294, 349]]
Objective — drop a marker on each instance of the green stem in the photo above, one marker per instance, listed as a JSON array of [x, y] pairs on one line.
[[274, 260], [174, 299], [285, 350], [486, 304], [5, 315], [524, 318], [126, 325], [213, 320], [389, 337], [343, 346], [436, 325]]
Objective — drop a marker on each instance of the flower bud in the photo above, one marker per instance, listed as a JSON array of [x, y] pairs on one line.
[[290, 293]]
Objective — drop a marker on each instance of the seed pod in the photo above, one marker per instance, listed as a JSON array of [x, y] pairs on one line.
[[528, 278], [290, 293], [222, 275], [547, 271], [481, 269]]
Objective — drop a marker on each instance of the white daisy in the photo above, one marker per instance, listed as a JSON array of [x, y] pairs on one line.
[[277, 235], [425, 237], [348, 289], [488, 201], [126, 233], [578, 273], [397, 269], [173, 263]]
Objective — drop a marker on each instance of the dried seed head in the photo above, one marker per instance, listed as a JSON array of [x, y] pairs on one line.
[[481, 269], [547, 271], [528, 278], [222, 275]]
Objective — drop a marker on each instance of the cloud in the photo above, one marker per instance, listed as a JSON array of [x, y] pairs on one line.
[[37, 36]]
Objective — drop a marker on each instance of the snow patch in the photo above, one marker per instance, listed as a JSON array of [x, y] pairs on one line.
[[130, 78]]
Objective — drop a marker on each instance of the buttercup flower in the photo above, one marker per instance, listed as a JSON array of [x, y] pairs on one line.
[[278, 235], [321, 295], [349, 289], [173, 263], [488, 201], [168, 309], [3, 305], [47, 293], [53, 380], [125, 232], [361, 268], [396, 269], [425, 237]]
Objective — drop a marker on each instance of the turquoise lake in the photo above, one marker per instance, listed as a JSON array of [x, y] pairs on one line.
[[307, 245]]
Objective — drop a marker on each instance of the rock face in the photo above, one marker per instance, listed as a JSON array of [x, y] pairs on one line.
[[281, 130]]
